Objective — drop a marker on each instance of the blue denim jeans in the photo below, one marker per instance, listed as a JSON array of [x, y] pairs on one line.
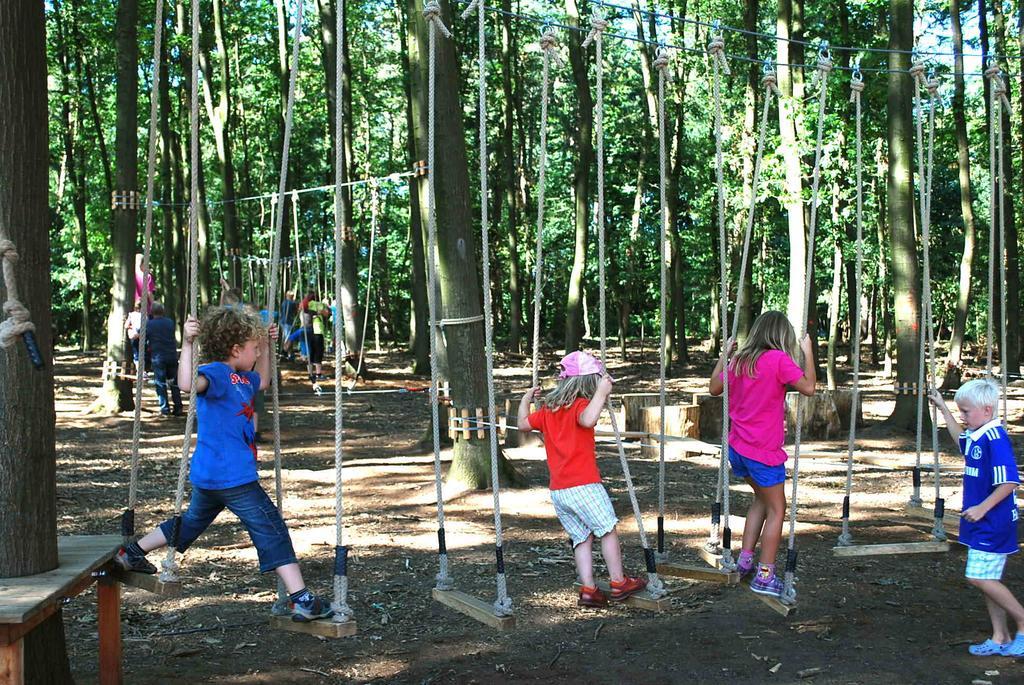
[[253, 508], [164, 375]]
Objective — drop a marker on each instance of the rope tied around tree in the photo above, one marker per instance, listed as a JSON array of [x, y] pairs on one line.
[[548, 45], [661, 64], [856, 88], [502, 603], [821, 77], [655, 587], [19, 320], [432, 15]]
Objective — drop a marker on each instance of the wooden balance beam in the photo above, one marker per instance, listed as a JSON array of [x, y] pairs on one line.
[[950, 521], [322, 627], [703, 573], [27, 601], [148, 582], [641, 600], [926, 547], [476, 609]]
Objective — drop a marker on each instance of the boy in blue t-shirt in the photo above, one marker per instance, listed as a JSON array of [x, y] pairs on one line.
[[989, 518], [224, 464]]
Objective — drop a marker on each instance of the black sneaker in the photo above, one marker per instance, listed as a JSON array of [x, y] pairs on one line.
[[310, 610], [134, 562]]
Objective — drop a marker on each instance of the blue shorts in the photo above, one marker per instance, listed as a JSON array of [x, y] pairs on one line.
[[252, 507], [762, 474]]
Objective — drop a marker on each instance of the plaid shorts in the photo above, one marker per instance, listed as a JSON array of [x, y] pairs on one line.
[[983, 565], [583, 510]]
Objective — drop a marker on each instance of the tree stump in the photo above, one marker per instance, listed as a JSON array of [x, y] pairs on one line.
[[843, 398], [633, 405], [820, 420], [680, 420], [709, 423], [514, 438]]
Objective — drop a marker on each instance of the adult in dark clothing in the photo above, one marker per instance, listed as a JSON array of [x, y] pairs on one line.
[[164, 352]]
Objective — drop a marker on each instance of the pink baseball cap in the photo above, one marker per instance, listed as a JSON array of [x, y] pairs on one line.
[[579, 363]]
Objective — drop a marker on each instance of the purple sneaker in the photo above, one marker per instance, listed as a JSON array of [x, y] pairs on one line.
[[745, 569], [770, 585]]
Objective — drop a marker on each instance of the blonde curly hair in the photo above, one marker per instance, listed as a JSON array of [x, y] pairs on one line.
[[222, 328]]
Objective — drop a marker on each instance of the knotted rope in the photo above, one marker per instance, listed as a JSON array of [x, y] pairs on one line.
[[824, 69], [502, 603], [18, 321], [169, 565], [654, 585], [548, 45], [432, 15], [342, 611], [128, 517], [661, 63], [723, 543], [856, 88]]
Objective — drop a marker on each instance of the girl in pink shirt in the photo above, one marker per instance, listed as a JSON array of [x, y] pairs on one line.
[[758, 375]]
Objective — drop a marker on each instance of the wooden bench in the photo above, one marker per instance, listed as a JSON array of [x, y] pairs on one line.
[[27, 601]]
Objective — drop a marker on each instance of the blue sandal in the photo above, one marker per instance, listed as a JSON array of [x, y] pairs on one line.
[[1015, 648], [989, 648]]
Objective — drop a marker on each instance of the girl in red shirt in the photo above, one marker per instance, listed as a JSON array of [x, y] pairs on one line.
[[567, 419], [758, 375]]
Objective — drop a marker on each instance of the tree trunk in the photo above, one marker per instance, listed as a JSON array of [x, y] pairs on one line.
[[1010, 357], [419, 319], [508, 48], [900, 193], [584, 146], [457, 257], [169, 284], [28, 498], [116, 393], [789, 105], [219, 113], [953, 361], [745, 314]]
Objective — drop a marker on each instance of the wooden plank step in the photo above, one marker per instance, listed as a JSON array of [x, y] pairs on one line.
[[476, 609], [774, 603], [711, 559], [928, 547], [641, 600], [148, 582], [950, 521], [698, 573], [323, 628]]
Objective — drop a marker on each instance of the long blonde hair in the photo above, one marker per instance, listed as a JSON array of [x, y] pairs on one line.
[[570, 389], [771, 331]]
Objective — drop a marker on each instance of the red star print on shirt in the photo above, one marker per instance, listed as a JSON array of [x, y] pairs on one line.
[[248, 409]]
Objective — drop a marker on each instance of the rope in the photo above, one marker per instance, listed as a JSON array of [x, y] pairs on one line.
[[275, 255], [548, 45], [719, 65], [856, 88], [432, 15], [128, 519], [169, 565], [503, 603], [999, 101], [824, 68], [654, 585], [661, 63], [301, 282], [917, 73], [342, 611], [458, 321], [374, 207]]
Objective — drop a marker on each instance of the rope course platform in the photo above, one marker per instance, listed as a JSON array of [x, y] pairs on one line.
[[321, 628], [925, 547], [641, 600], [148, 582], [27, 601], [475, 608], [715, 559]]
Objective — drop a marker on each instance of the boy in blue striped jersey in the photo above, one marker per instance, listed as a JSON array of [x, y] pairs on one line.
[[989, 518]]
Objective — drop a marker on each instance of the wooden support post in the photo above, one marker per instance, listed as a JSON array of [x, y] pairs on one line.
[[480, 431], [464, 414], [12, 663], [108, 599], [698, 573], [474, 608], [928, 547], [321, 628], [641, 600]]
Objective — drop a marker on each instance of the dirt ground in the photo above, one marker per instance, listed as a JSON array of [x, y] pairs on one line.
[[866, 620]]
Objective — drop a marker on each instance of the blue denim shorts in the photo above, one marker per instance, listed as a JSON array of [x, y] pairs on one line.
[[762, 474], [253, 508]]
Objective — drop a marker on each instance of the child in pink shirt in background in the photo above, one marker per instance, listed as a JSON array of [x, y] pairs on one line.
[[758, 375]]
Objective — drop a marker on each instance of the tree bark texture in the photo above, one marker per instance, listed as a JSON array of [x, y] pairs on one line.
[[789, 105], [28, 500]]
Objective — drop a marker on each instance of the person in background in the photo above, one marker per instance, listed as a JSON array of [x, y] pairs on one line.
[[163, 352]]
